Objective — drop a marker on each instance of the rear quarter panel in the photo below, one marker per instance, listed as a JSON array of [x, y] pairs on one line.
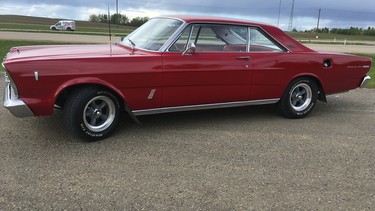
[[272, 72]]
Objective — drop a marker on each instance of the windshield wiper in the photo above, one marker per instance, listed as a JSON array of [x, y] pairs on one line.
[[132, 43]]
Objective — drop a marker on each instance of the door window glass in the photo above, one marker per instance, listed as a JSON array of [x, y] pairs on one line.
[[261, 43], [213, 38]]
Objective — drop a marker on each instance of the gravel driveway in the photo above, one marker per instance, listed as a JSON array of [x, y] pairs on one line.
[[230, 159]]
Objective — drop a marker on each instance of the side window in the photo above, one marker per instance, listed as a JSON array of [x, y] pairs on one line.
[[181, 43], [261, 43], [213, 38]]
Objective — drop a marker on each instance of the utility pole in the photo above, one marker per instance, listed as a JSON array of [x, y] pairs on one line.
[[117, 7], [317, 25], [278, 18], [290, 27], [117, 16]]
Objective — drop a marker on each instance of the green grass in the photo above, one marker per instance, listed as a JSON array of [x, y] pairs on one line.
[[371, 84], [119, 31], [37, 24], [329, 36], [5, 45]]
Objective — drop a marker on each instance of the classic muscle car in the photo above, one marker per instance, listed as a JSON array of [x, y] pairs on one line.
[[175, 64]]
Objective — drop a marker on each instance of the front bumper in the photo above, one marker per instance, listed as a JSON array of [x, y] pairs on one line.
[[16, 106], [365, 81]]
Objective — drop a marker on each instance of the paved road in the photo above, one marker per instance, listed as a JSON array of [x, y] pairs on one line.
[[55, 37], [76, 38], [232, 159], [355, 49]]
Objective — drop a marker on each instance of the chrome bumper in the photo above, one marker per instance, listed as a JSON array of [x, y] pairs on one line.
[[365, 81], [16, 106]]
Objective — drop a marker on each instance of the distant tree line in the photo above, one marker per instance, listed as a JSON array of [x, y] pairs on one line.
[[118, 19], [370, 31]]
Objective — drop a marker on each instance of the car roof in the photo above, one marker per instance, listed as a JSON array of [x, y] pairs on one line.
[[190, 19], [291, 44]]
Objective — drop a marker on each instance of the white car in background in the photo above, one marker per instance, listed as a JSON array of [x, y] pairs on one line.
[[67, 25]]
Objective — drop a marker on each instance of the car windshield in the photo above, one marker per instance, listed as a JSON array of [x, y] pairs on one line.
[[153, 34]]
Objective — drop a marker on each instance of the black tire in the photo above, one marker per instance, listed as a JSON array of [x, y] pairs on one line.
[[69, 29], [54, 29], [92, 113], [299, 98]]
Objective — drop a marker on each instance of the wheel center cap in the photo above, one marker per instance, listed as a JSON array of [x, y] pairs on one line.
[[300, 97], [97, 113]]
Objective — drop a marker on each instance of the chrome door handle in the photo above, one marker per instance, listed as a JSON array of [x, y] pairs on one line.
[[246, 58]]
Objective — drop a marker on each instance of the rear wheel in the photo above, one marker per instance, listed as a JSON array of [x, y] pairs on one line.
[[69, 29], [92, 113], [299, 98]]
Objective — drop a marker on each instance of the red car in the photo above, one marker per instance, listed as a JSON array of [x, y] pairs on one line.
[[175, 64]]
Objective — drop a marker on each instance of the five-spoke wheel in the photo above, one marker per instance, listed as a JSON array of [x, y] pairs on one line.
[[92, 113], [299, 98]]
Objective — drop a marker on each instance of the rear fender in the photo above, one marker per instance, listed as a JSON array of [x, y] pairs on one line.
[[321, 94]]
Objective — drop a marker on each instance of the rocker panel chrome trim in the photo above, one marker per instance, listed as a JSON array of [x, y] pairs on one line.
[[203, 107]]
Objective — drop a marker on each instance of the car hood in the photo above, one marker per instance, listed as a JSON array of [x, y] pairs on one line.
[[46, 52]]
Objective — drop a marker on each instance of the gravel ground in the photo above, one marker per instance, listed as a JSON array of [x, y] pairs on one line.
[[230, 159]]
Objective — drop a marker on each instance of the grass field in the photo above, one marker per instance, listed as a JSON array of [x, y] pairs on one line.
[[371, 84], [5, 45], [37, 24], [326, 36]]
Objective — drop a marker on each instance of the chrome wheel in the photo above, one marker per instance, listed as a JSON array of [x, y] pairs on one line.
[[99, 113], [300, 97]]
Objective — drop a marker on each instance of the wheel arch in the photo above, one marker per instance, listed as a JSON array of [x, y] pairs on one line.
[[321, 92], [67, 87], [63, 91]]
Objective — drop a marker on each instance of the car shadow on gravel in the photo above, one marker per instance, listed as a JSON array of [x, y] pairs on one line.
[[53, 129]]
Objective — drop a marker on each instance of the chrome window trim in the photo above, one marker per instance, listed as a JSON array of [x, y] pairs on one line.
[[161, 49], [261, 30], [273, 39], [174, 37], [248, 44], [203, 106]]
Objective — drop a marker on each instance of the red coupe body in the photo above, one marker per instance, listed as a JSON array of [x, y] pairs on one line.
[[229, 63]]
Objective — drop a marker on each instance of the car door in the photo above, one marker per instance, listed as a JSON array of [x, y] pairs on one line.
[[216, 72], [269, 62]]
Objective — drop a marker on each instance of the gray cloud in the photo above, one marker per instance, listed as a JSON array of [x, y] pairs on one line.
[[335, 13]]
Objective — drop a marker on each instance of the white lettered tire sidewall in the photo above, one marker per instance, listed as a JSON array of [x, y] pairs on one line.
[[308, 99], [80, 105]]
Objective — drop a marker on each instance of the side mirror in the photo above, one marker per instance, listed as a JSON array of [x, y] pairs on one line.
[[190, 49]]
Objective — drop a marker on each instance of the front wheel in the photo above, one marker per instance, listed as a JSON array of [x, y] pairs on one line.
[[92, 113], [299, 98]]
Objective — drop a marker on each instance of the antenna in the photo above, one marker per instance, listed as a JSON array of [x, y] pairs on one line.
[[109, 25], [278, 18], [290, 27]]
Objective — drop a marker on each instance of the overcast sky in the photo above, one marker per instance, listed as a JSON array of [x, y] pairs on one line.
[[334, 13]]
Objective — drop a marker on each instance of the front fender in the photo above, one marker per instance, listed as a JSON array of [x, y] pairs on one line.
[[86, 80]]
